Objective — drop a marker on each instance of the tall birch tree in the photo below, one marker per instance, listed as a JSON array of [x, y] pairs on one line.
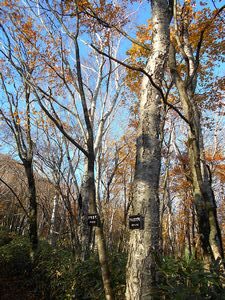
[[144, 244]]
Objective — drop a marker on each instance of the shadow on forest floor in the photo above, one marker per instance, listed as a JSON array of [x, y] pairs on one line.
[[16, 288]]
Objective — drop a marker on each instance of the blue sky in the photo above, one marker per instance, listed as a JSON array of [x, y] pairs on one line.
[[142, 15]]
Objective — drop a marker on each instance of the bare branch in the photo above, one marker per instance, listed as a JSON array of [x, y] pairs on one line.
[[139, 69], [17, 198], [198, 50]]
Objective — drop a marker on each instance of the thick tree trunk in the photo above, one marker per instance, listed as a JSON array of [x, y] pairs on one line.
[[32, 204], [144, 244]]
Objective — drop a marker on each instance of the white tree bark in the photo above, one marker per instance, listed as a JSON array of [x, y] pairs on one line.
[[53, 234], [144, 244]]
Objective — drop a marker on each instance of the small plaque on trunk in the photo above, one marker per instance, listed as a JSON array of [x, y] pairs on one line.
[[136, 222], [93, 220]]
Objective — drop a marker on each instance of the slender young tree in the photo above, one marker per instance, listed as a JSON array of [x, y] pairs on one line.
[[64, 76], [204, 199], [20, 125]]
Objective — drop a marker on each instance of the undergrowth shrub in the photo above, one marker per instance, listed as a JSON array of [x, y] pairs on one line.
[[117, 262], [6, 237], [56, 275], [52, 272], [14, 256], [59, 276], [186, 278]]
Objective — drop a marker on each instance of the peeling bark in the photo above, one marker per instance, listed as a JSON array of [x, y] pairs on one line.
[[144, 244]]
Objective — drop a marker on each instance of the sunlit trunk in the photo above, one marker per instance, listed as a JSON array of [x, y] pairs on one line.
[[101, 247], [144, 244], [84, 202], [53, 234]]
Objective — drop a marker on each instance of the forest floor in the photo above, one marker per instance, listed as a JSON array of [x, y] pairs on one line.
[[16, 288]]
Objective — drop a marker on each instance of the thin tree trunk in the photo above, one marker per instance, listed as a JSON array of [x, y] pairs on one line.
[[53, 226], [21, 226], [204, 201], [32, 204], [84, 202], [99, 231], [203, 194], [144, 244]]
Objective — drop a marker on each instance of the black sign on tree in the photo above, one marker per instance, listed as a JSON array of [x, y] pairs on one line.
[[93, 220], [136, 222]]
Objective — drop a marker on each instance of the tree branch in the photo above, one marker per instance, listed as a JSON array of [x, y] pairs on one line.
[[198, 49], [139, 69], [17, 198], [107, 25]]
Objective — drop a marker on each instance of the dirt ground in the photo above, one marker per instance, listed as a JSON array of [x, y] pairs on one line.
[[16, 288]]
